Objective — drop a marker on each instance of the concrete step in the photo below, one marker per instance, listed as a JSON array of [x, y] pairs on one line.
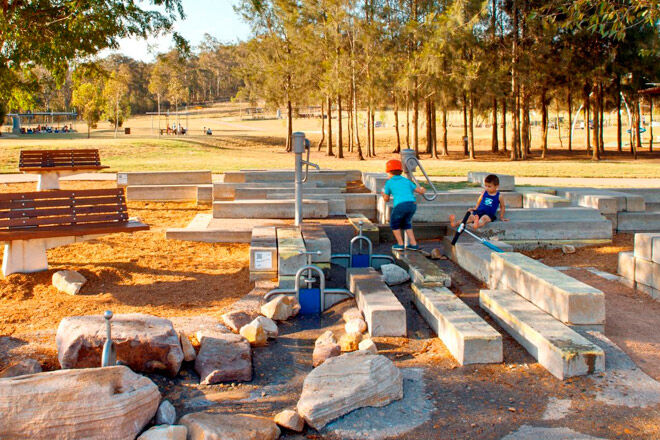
[[473, 256], [638, 221], [384, 314], [321, 178], [267, 209], [652, 206], [205, 228], [465, 334], [422, 270], [317, 240], [651, 195], [512, 199], [626, 266], [369, 230], [567, 299], [533, 199], [204, 194], [164, 178], [374, 181], [336, 202], [507, 182], [361, 203], [227, 191], [562, 351], [263, 253], [647, 246], [290, 244], [606, 201], [550, 231], [163, 193], [283, 193]]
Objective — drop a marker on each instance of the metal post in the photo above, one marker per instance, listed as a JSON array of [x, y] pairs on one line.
[[299, 149], [109, 356]]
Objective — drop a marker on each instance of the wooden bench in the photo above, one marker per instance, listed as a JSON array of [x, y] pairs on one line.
[[31, 223], [50, 165]]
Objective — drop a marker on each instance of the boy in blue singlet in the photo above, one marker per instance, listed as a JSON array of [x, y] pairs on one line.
[[486, 209]]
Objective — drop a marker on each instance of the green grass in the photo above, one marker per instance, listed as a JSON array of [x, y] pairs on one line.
[[221, 154]]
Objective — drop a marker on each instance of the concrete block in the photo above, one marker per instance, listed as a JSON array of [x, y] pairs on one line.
[[375, 181], [543, 230], [626, 265], [647, 273], [465, 334], [174, 193], [315, 240], [472, 256], [205, 228], [603, 203], [638, 221], [25, 256], [164, 178], [567, 299], [648, 290], [542, 200], [322, 178], [290, 244], [635, 203], [562, 351], [655, 253], [204, 194], [384, 314], [422, 270], [507, 182], [283, 193], [360, 202], [369, 230], [269, 209], [263, 249], [336, 202], [644, 243]]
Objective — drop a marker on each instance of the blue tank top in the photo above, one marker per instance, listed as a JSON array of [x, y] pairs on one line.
[[489, 204]]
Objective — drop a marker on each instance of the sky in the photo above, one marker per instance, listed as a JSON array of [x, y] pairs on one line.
[[215, 17]]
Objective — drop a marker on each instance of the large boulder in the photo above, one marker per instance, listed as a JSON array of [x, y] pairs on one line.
[[223, 357], [145, 343], [393, 274], [21, 368], [96, 403], [210, 426], [165, 432], [281, 308], [348, 382], [68, 281]]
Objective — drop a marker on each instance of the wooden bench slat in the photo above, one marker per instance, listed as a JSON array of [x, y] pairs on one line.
[[59, 160], [68, 210], [75, 230], [62, 194], [53, 203], [63, 220]]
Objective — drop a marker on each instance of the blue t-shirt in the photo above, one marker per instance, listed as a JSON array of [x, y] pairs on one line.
[[401, 189], [489, 204]]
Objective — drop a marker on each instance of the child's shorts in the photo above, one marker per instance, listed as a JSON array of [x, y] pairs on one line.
[[402, 215], [480, 213]]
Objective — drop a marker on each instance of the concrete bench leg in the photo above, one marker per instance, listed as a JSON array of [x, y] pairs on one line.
[[24, 256], [49, 180]]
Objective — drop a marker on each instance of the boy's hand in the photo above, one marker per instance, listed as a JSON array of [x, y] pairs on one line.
[[504, 219], [471, 210]]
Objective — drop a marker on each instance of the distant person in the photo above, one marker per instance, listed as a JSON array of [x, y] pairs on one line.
[[209, 132], [403, 192], [486, 208]]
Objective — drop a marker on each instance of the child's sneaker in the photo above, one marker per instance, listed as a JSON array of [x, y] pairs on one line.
[[413, 247], [398, 247]]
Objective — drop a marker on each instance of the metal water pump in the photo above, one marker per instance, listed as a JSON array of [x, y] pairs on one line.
[[109, 357], [300, 144]]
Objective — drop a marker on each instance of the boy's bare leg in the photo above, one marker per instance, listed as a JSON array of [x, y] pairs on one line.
[[475, 221], [484, 220], [452, 220], [411, 237], [398, 236]]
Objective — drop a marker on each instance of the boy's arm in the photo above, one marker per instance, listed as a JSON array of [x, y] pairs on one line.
[[386, 192], [502, 211], [478, 203], [420, 190], [386, 197]]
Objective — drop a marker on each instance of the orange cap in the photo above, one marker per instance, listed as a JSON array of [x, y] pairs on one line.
[[393, 165]]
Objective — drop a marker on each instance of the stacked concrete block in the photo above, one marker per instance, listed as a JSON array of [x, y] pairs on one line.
[[167, 185], [642, 266], [263, 253], [507, 182]]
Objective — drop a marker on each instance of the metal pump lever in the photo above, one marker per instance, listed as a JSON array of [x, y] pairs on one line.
[[109, 357], [410, 163]]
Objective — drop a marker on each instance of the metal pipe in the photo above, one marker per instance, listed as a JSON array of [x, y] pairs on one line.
[[109, 356], [298, 149]]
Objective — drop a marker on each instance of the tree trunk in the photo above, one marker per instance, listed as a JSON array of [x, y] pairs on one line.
[[619, 140], [349, 127], [633, 132], [357, 125], [322, 125], [373, 132], [504, 125], [494, 146], [340, 140], [514, 81], [396, 125], [407, 118], [525, 133], [471, 129], [465, 126], [330, 152], [544, 124], [445, 146], [415, 118], [434, 130], [585, 109], [429, 136], [289, 131], [650, 123], [570, 120], [369, 131], [638, 134], [596, 113]]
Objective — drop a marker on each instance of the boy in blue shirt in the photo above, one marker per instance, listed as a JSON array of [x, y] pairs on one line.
[[403, 192], [486, 209]]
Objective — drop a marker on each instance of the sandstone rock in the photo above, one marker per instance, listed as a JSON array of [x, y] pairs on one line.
[[166, 414], [189, 353], [94, 404], [345, 383], [393, 274], [369, 346], [568, 249], [270, 327], [290, 419], [350, 341], [352, 313], [356, 326], [254, 333], [21, 368], [281, 308], [223, 357], [210, 426], [323, 352], [326, 338], [437, 254], [237, 319], [68, 281], [165, 432], [143, 342]]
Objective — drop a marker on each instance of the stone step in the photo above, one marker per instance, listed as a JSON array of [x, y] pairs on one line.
[[558, 348], [317, 240], [269, 209], [626, 266], [647, 246], [290, 244], [336, 202], [507, 182], [361, 203], [163, 193], [369, 230], [532, 199], [263, 253], [652, 206], [473, 256], [469, 196], [567, 299], [606, 201], [651, 195], [227, 191], [257, 174], [322, 178], [205, 228], [638, 221], [164, 178], [282, 193], [422, 270], [383, 313], [375, 182], [549, 231], [204, 194], [465, 334]]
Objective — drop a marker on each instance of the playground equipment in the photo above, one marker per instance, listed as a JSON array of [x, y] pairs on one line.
[[462, 228], [312, 300], [360, 259], [410, 164], [109, 356], [300, 144]]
